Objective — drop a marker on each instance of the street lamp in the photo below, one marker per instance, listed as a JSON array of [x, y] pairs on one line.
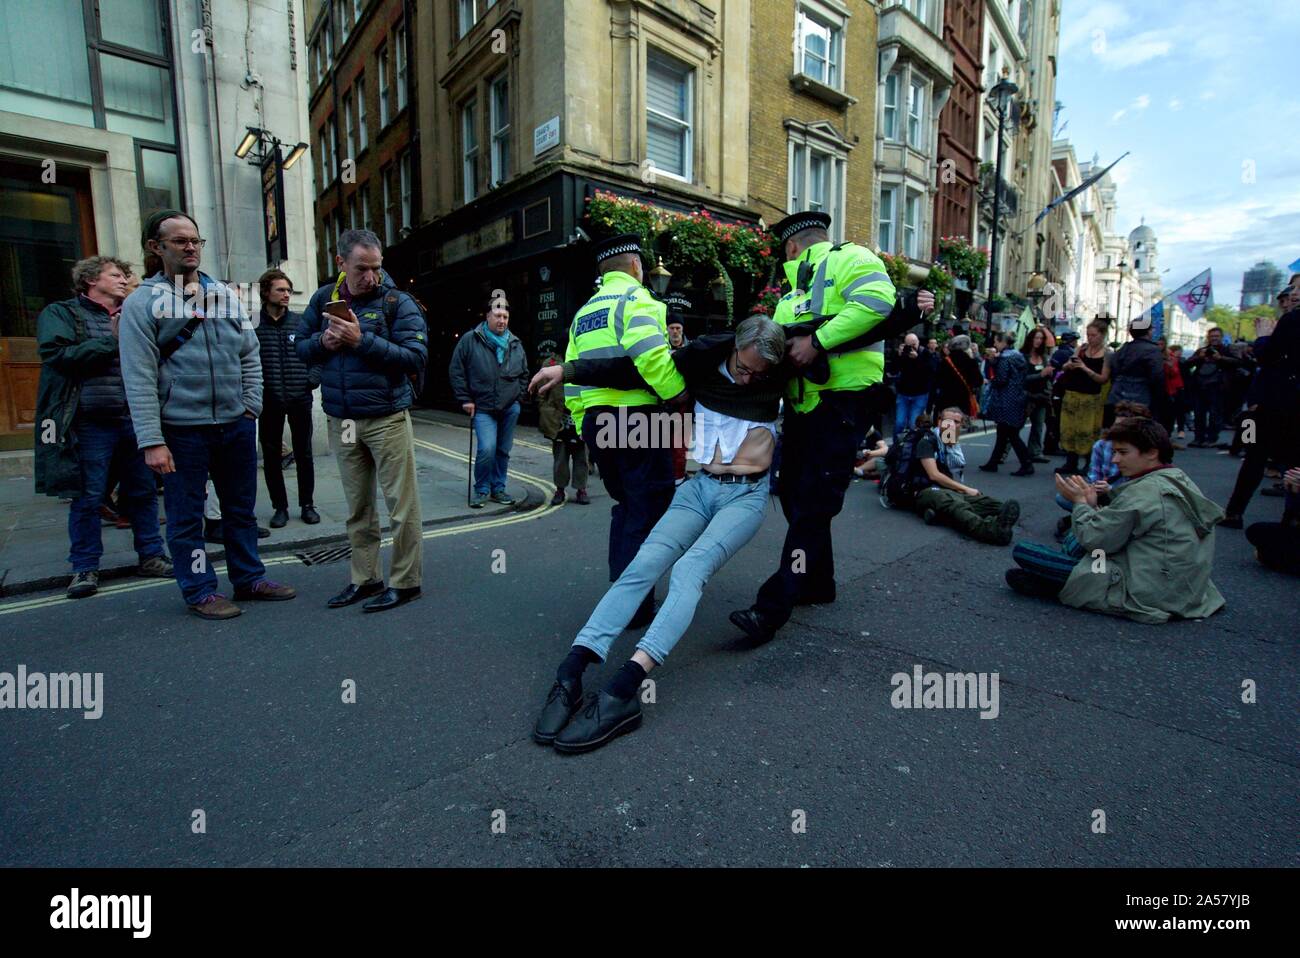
[[1002, 93], [660, 278], [1123, 265]]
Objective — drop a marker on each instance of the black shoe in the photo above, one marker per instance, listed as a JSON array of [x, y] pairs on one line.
[[1041, 459], [1027, 584], [355, 593], [310, 515], [601, 718], [1198, 445], [280, 519], [1026, 470], [929, 517], [558, 497], [1274, 490], [562, 701], [751, 622], [263, 532], [1231, 522], [391, 599], [213, 531], [989, 467]]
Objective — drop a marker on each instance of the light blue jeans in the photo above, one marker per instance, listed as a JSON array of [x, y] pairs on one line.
[[906, 409], [707, 523]]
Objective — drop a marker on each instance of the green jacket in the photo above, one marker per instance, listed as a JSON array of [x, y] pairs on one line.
[[1157, 546], [68, 358]]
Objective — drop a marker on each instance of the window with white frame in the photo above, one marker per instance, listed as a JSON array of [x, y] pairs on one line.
[[820, 46], [993, 72], [357, 6], [381, 55], [342, 11], [405, 172], [469, 13], [329, 46], [912, 224], [499, 121], [323, 155], [889, 124], [920, 9], [349, 127], [669, 95], [399, 52], [886, 218], [365, 207], [334, 143], [363, 138], [352, 212], [469, 149], [916, 115], [318, 52], [390, 227], [817, 175]]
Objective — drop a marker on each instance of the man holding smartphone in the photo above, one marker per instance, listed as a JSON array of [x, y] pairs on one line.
[[369, 340]]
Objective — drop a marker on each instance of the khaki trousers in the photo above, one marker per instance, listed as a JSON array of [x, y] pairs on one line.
[[382, 448]]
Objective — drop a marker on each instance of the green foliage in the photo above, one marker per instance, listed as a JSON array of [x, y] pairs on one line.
[[939, 282], [962, 259], [897, 268]]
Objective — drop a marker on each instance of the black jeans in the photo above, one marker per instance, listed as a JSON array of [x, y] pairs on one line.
[[1009, 435], [1209, 412], [270, 431], [816, 465], [1276, 436]]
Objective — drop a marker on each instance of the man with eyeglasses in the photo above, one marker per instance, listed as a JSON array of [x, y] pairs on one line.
[[193, 378]]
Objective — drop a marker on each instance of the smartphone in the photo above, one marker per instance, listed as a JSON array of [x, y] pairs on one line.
[[337, 308]]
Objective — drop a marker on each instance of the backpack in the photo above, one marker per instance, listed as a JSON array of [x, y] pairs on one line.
[[390, 312], [905, 476]]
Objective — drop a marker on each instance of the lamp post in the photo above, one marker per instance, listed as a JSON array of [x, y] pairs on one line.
[[1123, 265], [1002, 92]]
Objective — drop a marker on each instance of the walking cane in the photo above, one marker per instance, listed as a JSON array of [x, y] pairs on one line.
[[469, 481]]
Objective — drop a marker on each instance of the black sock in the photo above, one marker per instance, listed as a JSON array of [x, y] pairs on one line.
[[575, 663], [626, 681]]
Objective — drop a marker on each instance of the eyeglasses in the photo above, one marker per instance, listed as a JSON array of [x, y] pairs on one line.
[[741, 368], [186, 243]]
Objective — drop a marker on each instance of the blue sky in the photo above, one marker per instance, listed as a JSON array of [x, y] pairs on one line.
[[1207, 98]]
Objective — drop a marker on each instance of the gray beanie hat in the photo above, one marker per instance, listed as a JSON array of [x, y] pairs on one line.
[[960, 342]]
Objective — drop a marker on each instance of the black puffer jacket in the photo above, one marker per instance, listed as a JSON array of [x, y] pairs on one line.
[[285, 379], [372, 378]]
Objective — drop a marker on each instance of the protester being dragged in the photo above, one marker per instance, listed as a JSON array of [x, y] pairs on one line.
[[958, 379], [737, 381], [1147, 555], [1037, 351], [488, 374], [1137, 371], [925, 470], [568, 451], [82, 396], [1083, 376], [1007, 404]]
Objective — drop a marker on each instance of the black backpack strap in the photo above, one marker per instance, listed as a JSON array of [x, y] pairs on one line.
[[186, 333]]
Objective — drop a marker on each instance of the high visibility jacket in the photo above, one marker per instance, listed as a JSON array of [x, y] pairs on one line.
[[622, 319], [848, 288]]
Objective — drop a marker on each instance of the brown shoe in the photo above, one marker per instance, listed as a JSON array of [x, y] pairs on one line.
[[216, 606], [265, 590]]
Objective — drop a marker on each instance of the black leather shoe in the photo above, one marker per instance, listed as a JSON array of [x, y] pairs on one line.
[[391, 599], [562, 701], [600, 719], [752, 624], [310, 515], [1025, 470], [989, 467], [355, 593], [280, 518]]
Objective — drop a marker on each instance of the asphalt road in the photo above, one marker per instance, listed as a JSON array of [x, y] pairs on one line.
[[246, 719]]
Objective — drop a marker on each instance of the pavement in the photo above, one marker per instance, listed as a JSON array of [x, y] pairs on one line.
[[1115, 743], [34, 529]]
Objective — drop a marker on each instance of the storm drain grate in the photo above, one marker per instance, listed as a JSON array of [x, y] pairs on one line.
[[324, 556]]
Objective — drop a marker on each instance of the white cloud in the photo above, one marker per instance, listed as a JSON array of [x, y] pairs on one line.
[[1136, 50], [1137, 106], [1142, 102], [1175, 104]]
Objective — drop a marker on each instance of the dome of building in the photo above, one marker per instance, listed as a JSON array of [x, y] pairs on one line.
[[1143, 234]]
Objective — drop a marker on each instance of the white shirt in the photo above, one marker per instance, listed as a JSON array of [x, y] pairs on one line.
[[712, 431]]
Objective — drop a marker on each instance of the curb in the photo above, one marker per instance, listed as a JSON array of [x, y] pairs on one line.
[[532, 500]]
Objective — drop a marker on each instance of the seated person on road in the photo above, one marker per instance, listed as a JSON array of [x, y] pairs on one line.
[[1147, 555], [926, 466], [1277, 544], [1103, 475], [871, 455], [736, 382]]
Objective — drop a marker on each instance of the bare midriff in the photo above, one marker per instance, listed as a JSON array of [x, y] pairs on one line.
[[754, 455]]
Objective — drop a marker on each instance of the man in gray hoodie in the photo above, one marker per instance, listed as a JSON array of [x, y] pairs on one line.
[[193, 379]]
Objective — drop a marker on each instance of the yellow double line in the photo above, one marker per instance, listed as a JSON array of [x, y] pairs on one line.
[[31, 605]]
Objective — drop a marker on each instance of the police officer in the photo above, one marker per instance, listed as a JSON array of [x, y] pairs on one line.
[[624, 319], [837, 294]]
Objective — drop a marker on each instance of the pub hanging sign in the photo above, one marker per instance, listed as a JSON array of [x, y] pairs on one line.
[[273, 225]]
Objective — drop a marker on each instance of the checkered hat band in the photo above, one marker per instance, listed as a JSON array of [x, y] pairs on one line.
[[619, 250], [798, 225]]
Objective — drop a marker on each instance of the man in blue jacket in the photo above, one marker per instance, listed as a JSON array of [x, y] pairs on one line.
[[370, 341]]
